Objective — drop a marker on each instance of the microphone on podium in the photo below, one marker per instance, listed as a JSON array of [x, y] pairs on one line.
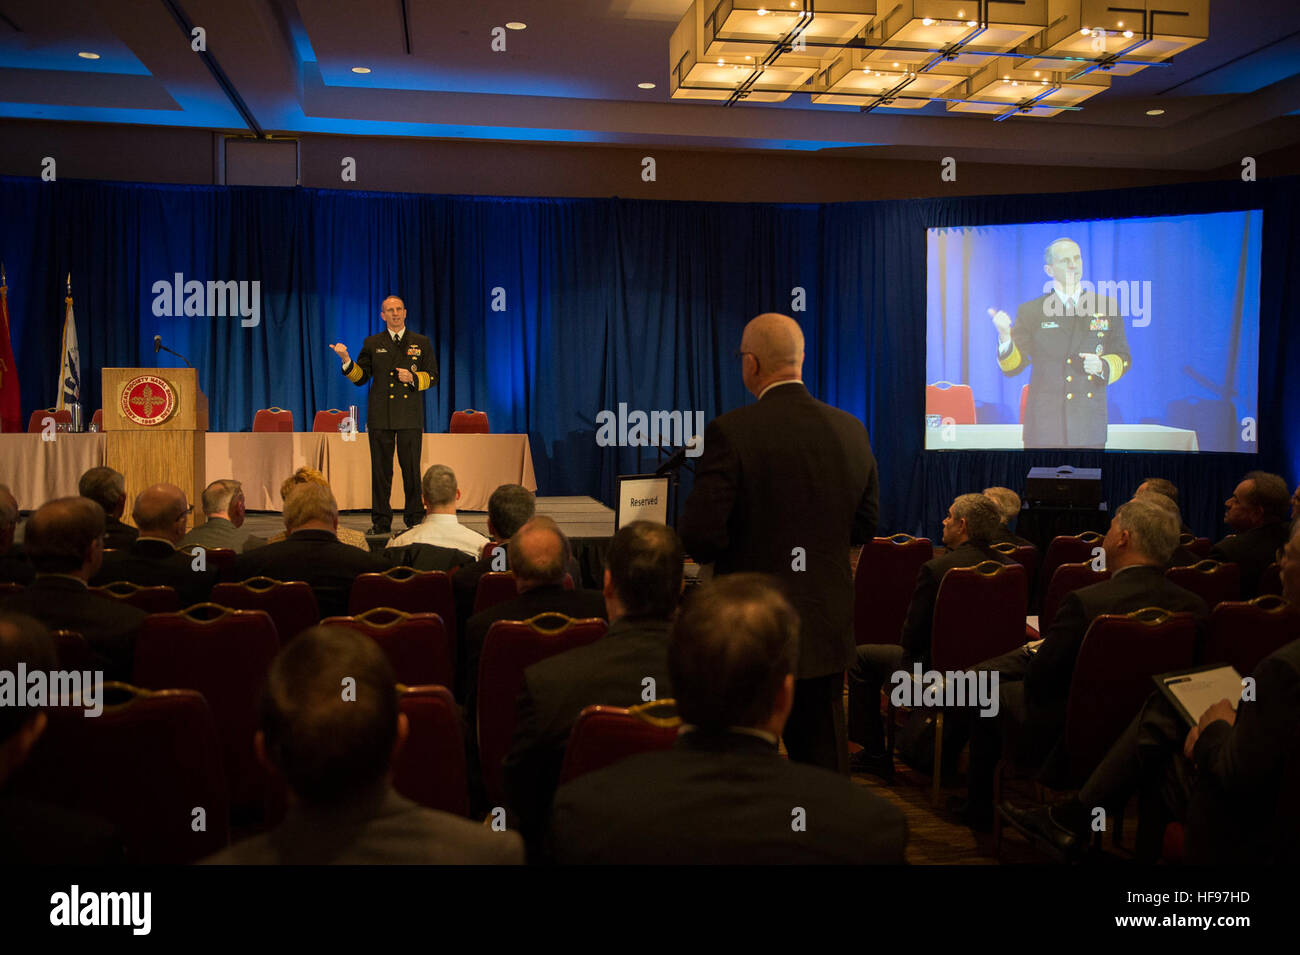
[[157, 344]]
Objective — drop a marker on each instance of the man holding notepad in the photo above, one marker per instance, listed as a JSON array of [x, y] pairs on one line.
[[1231, 778]]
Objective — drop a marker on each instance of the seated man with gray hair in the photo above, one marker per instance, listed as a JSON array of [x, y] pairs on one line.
[[311, 552], [440, 526], [162, 513], [14, 567], [969, 531], [1007, 502], [1035, 686], [107, 488], [223, 508]]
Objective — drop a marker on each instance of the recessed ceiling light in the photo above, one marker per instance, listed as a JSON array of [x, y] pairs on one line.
[[645, 86], [1155, 112], [89, 56], [360, 69], [516, 25]]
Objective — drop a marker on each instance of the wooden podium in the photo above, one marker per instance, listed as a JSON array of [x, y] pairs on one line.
[[155, 423]]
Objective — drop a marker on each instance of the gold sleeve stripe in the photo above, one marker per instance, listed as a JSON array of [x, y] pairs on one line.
[[1116, 367], [422, 379], [1011, 361], [355, 374]]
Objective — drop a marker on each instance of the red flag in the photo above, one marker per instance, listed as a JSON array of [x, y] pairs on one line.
[[11, 411]]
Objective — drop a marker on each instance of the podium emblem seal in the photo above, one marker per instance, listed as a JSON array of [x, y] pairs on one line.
[[148, 400]]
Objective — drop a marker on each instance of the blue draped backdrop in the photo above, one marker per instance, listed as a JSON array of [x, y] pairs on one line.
[[604, 301]]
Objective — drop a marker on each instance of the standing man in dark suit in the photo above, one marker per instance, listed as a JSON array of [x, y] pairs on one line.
[[786, 486], [403, 367], [1035, 687], [1257, 513], [643, 582], [312, 552], [1232, 778], [161, 513], [969, 530], [334, 750], [1075, 340], [107, 488], [722, 794], [65, 543]]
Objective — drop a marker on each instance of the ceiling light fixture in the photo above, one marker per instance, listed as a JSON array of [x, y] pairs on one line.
[[89, 56], [516, 25], [360, 69], [645, 86], [1155, 112]]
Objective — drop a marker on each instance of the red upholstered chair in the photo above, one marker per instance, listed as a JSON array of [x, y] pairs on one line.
[[1027, 556], [1270, 581], [73, 650], [225, 655], [291, 605], [1024, 401], [157, 599], [97, 419], [1067, 579], [603, 735], [416, 644], [951, 401], [1244, 632], [1201, 547], [430, 769], [273, 419], [979, 613], [1210, 580], [1067, 550], [328, 422], [1112, 679], [494, 587], [143, 765], [489, 549], [408, 590], [511, 647], [36, 423], [469, 421], [883, 586], [219, 558]]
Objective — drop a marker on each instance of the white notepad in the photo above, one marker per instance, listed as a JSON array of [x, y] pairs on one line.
[[1194, 691]]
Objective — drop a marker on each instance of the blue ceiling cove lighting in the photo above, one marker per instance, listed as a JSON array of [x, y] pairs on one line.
[[114, 57]]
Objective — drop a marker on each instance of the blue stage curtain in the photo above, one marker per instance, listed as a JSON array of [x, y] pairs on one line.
[[606, 301]]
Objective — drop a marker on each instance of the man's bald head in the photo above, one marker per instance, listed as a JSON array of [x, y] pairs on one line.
[[772, 351], [66, 536], [538, 554], [160, 512]]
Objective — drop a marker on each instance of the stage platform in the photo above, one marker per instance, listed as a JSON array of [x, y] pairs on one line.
[[579, 517]]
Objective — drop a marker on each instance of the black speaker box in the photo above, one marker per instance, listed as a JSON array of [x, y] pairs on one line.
[[1063, 487]]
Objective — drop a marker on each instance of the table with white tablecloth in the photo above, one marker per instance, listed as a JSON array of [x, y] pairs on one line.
[[1119, 437], [38, 470]]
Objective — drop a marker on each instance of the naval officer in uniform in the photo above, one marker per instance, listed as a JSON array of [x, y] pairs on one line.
[[402, 366], [1075, 341]]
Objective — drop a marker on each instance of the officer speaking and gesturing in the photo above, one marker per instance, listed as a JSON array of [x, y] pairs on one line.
[[402, 366], [1075, 341]]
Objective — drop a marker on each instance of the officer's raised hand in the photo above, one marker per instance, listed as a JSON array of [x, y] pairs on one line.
[[341, 350], [1002, 322]]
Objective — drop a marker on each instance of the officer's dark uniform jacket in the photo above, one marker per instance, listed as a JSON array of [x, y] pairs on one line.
[[394, 404], [1067, 406]]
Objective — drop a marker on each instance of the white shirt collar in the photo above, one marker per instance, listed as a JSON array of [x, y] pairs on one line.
[[1071, 300], [778, 384], [397, 336], [747, 730]]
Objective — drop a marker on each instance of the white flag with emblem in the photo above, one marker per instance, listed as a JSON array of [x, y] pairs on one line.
[[70, 370]]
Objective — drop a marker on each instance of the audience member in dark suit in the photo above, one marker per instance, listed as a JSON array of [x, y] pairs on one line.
[[968, 531], [1183, 556], [311, 552], [1258, 513], [786, 486], [161, 513], [539, 552], [1034, 687], [1007, 502], [1169, 490], [723, 794], [14, 567], [643, 582], [33, 833], [333, 751], [1231, 779], [509, 508], [107, 488], [428, 557], [223, 527], [64, 542]]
